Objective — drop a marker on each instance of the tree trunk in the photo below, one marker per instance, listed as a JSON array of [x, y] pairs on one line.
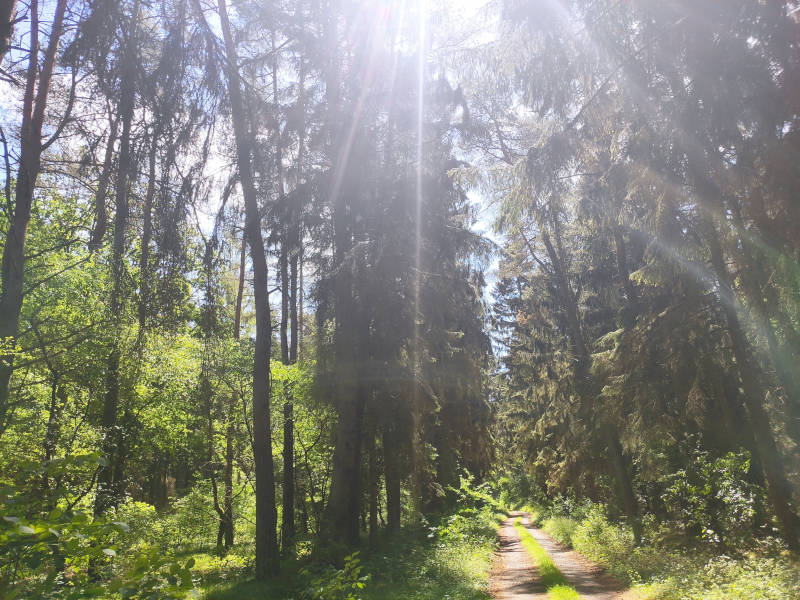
[[57, 401], [108, 490], [267, 556], [783, 360], [8, 14], [343, 503], [147, 234], [341, 523], [300, 323], [294, 330], [622, 476], [287, 248], [391, 466], [226, 521], [226, 524], [287, 526], [283, 265], [587, 386], [778, 487], [372, 475], [100, 212], [237, 315], [12, 273]]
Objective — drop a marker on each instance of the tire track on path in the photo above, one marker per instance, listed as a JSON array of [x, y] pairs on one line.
[[514, 576]]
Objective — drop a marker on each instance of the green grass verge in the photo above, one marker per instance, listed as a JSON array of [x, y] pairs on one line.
[[553, 580]]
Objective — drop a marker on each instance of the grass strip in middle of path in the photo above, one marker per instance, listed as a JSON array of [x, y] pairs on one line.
[[553, 580]]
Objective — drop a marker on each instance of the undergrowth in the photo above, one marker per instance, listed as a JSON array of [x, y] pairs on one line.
[[446, 558]]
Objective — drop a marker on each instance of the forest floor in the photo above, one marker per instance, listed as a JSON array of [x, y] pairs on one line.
[[514, 576]]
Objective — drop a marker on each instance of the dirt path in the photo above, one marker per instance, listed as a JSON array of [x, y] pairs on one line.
[[514, 576]]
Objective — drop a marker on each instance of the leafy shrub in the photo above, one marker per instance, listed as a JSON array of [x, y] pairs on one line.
[[658, 573], [65, 553], [141, 519], [467, 525], [451, 561], [338, 584], [473, 496], [712, 497], [560, 529], [517, 487]]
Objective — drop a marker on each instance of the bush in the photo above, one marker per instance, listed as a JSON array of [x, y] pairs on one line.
[[338, 584], [68, 553], [469, 495], [712, 497], [766, 572], [560, 529]]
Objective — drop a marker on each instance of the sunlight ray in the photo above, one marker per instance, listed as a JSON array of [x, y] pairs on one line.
[[370, 70]]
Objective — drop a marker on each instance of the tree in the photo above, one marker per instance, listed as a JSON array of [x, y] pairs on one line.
[[266, 515], [37, 90]]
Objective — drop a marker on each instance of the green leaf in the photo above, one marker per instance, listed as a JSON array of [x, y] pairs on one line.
[[109, 552], [122, 526]]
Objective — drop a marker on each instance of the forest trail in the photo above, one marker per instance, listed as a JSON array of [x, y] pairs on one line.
[[514, 577]]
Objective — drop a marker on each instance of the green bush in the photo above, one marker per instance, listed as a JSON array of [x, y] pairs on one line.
[[560, 529], [473, 496], [338, 584], [65, 552], [713, 498], [765, 572]]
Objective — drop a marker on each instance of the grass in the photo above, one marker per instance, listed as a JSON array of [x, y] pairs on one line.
[[553, 580]]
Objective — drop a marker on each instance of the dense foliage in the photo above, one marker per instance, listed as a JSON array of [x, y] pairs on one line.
[[647, 300], [245, 326]]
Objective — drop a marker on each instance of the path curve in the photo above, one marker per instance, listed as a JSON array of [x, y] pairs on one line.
[[514, 577]]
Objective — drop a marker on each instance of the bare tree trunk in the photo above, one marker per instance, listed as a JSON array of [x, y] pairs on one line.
[[630, 310], [343, 503], [283, 264], [294, 328], [12, 273], [784, 360], [57, 401], [300, 317], [288, 532], [226, 520], [267, 557], [208, 401], [237, 316]]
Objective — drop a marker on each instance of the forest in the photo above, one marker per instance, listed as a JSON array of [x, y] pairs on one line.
[[400, 299]]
